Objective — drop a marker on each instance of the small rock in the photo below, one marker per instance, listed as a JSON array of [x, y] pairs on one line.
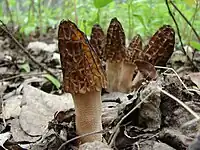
[[36, 46]]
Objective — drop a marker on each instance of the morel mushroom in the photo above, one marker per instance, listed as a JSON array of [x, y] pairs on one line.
[[114, 54], [146, 71], [97, 39], [156, 52], [160, 46], [83, 77], [129, 69]]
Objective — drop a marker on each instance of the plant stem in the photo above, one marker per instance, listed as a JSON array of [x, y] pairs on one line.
[[75, 12], [9, 12], [40, 16], [188, 22], [129, 21], [84, 25], [98, 15], [179, 35]]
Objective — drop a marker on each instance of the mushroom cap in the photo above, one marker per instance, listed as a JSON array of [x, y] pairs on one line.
[[161, 46], [97, 39], [147, 69], [115, 42], [134, 50], [82, 70]]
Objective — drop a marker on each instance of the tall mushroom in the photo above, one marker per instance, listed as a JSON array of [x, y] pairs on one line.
[[114, 54], [83, 77]]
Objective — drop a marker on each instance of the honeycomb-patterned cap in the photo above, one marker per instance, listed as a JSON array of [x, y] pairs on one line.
[[82, 71], [97, 39], [161, 46], [134, 50], [115, 42]]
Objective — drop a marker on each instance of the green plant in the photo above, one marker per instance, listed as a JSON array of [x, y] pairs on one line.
[[136, 16], [53, 80]]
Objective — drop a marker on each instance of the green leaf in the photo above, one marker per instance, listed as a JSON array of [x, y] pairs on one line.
[[12, 3], [101, 3], [139, 17], [190, 2], [25, 67], [195, 45], [53, 80]]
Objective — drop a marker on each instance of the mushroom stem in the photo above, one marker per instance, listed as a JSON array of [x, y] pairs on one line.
[[113, 71], [88, 115], [139, 78], [126, 77]]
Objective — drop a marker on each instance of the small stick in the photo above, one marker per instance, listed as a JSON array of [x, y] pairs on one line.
[[179, 35], [180, 102], [188, 22], [78, 137], [176, 74], [24, 50], [26, 75], [167, 68], [116, 129]]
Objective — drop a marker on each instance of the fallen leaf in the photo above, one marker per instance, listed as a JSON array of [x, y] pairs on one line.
[[12, 107], [195, 78], [18, 134], [38, 108], [4, 137]]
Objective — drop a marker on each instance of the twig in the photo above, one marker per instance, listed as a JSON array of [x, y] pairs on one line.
[[84, 135], [5, 29], [149, 138], [180, 102], [188, 22], [160, 67], [178, 31], [176, 74], [26, 75], [191, 122], [116, 129]]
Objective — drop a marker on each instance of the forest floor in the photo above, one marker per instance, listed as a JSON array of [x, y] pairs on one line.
[[36, 115]]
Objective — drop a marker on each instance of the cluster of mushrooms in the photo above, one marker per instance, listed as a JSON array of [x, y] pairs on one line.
[[126, 68]]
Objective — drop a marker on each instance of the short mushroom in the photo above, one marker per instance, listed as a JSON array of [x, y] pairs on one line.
[[156, 52], [114, 54], [83, 77], [146, 71], [129, 69], [160, 46]]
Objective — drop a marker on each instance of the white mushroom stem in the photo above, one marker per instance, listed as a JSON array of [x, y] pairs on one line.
[[126, 77], [139, 76], [88, 115], [113, 71]]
